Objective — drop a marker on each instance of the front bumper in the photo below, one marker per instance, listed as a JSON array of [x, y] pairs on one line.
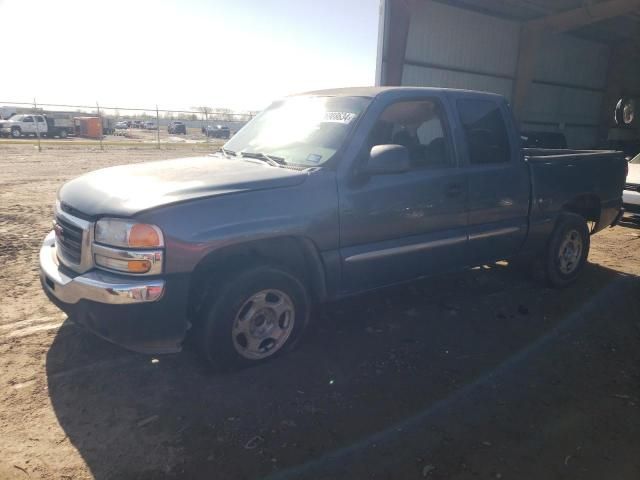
[[96, 286], [144, 315]]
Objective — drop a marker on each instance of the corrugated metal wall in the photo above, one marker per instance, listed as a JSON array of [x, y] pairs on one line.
[[568, 89], [452, 47]]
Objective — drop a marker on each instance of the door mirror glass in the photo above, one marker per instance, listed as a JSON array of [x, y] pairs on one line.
[[388, 159]]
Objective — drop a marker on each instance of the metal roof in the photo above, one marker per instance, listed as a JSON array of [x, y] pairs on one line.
[[376, 91]]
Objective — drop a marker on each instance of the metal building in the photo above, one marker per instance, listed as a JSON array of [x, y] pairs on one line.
[[563, 64]]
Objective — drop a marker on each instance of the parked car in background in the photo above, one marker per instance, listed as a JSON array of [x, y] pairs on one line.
[[121, 126], [137, 124], [550, 140], [217, 131], [177, 127], [150, 126], [631, 194], [319, 197]]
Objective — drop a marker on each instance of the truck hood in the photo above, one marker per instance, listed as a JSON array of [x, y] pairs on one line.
[[634, 173], [129, 189]]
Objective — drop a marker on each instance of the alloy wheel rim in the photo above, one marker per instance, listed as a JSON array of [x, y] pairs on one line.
[[263, 324], [570, 252]]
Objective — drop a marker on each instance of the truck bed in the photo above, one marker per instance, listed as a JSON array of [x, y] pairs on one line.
[[561, 179]]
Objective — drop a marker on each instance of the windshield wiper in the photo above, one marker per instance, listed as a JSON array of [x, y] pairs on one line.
[[228, 153], [270, 159]]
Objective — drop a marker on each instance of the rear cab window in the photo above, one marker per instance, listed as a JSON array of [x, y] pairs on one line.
[[485, 131]]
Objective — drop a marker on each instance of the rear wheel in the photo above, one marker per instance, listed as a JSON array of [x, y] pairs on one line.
[[567, 250], [256, 315]]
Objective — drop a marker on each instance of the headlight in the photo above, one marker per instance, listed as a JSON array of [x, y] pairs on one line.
[[126, 233]]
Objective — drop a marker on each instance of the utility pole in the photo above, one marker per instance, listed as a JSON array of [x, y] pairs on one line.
[[158, 125], [101, 126], [35, 119]]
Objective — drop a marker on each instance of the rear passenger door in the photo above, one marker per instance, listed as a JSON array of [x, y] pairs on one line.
[[40, 125], [28, 125], [498, 180]]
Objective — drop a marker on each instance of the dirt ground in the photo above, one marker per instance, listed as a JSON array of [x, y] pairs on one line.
[[479, 375]]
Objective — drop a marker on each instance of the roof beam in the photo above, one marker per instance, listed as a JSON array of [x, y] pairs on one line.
[[583, 16]]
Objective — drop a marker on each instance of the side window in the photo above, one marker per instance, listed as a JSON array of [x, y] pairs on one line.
[[485, 131], [418, 126], [28, 119], [40, 119]]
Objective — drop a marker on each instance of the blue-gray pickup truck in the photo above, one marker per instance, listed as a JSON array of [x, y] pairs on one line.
[[321, 196]]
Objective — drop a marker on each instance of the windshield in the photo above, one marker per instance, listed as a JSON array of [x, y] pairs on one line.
[[635, 159], [17, 118], [301, 130]]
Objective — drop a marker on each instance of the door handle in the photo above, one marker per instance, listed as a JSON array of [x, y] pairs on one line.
[[454, 190]]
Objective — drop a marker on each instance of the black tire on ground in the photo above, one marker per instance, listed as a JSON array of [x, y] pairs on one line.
[[231, 299], [16, 132], [567, 250], [63, 134]]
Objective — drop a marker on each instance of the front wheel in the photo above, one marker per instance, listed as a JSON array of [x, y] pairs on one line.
[[567, 250], [16, 133], [63, 134], [255, 315]]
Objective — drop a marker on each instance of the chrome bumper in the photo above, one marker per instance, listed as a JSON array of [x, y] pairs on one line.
[[629, 197], [95, 285]]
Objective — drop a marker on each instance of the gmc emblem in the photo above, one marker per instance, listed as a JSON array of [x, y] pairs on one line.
[[59, 230]]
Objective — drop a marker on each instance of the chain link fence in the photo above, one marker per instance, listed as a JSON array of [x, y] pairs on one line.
[[50, 124]]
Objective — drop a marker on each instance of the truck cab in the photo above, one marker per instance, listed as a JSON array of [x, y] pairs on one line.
[[24, 124]]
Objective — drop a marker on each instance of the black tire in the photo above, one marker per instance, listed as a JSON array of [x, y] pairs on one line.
[[16, 132], [563, 261], [213, 332], [63, 134]]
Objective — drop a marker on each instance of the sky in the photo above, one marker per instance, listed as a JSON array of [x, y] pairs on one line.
[[238, 54]]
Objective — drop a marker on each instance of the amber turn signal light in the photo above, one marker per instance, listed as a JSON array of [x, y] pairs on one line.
[[139, 266], [142, 235]]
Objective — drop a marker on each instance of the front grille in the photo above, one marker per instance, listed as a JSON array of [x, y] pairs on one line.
[[69, 240], [633, 187]]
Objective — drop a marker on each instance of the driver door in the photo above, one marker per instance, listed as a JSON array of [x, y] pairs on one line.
[[397, 227]]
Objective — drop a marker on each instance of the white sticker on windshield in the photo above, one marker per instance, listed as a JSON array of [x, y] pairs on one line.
[[314, 158], [339, 117]]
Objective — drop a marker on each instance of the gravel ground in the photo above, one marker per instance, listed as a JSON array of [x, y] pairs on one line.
[[483, 374]]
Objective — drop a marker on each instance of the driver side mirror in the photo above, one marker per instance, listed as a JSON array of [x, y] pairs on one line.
[[388, 159]]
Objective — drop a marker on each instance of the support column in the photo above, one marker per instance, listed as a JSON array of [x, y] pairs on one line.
[[399, 12], [529, 43]]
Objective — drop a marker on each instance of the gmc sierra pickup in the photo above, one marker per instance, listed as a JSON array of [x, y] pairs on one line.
[[322, 195]]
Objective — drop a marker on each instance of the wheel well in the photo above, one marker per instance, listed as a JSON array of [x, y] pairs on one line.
[[296, 255], [587, 206]]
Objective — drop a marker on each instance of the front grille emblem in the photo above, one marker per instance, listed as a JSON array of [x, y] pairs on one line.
[[59, 231]]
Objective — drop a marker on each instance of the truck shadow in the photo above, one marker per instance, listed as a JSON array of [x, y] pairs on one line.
[[369, 364]]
